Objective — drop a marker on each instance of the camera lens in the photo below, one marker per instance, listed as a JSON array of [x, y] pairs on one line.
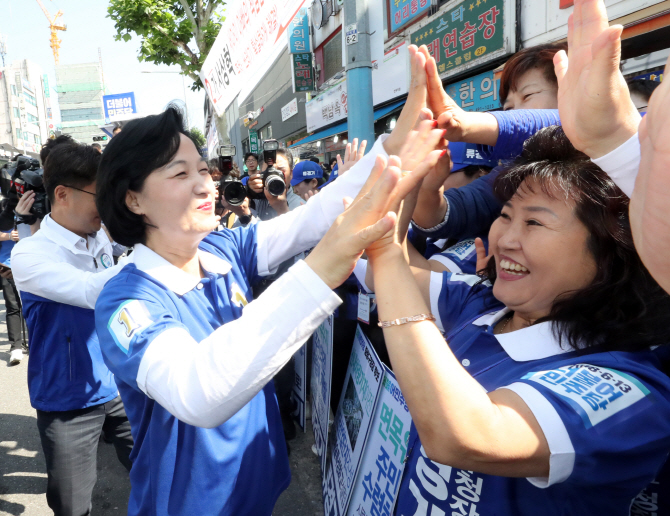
[[275, 185], [234, 193]]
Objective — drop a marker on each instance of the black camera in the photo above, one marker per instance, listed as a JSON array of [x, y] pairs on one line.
[[273, 179], [25, 174], [232, 189]]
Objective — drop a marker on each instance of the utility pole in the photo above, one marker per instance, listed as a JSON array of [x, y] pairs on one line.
[[360, 108]]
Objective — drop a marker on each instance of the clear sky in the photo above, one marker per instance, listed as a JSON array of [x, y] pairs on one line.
[[27, 32]]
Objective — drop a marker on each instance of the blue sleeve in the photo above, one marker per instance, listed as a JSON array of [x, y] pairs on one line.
[[472, 210], [514, 128], [618, 422], [129, 315], [238, 245], [451, 294]]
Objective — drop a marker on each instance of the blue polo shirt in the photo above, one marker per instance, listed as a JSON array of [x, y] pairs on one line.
[[237, 468], [6, 247], [606, 417]]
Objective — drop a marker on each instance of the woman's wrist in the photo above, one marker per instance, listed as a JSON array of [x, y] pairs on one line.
[[389, 256]]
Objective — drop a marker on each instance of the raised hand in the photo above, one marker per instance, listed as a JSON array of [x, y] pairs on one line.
[[352, 154], [650, 203], [593, 99]]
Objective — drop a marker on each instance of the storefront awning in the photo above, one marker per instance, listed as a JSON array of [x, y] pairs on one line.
[[342, 127]]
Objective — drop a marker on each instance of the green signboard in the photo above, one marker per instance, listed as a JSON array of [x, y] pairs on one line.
[[465, 34], [303, 72], [253, 141]]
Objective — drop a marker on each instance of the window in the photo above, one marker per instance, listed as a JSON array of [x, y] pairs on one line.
[[30, 99], [14, 89], [32, 118], [17, 113], [38, 140], [265, 133], [19, 135], [332, 57]]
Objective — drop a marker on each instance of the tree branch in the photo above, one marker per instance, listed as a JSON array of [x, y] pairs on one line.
[[175, 42], [209, 11], [189, 14]]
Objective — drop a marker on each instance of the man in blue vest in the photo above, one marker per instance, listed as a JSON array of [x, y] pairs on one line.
[[59, 272]]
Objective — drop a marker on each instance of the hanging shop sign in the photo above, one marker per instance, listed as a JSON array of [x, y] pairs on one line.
[[478, 93], [402, 13], [303, 73], [298, 33], [253, 141], [289, 110], [468, 35]]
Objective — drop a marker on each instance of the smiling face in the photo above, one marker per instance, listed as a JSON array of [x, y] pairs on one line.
[[541, 251], [178, 199], [533, 91]]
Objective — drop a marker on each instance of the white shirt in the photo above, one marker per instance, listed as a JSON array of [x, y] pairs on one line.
[[622, 164], [59, 265]]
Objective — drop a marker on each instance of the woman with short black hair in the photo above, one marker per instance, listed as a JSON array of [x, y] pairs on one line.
[[191, 352], [549, 394]]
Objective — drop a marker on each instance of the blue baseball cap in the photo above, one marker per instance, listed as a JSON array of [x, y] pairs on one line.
[[306, 170], [332, 177], [245, 180], [466, 154]]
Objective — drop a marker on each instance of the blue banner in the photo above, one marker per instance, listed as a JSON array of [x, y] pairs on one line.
[[298, 33], [119, 104], [478, 93], [402, 12]]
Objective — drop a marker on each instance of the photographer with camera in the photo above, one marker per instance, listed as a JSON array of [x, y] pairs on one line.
[[59, 273], [272, 185]]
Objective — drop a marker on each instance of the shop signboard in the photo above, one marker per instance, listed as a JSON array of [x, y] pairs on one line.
[[289, 110], [467, 35], [368, 445], [303, 72], [652, 76], [478, 93], [298, 33], [390, 77], [329, 107], [249, 42], [253, 141], [402, 13], [118, 105]]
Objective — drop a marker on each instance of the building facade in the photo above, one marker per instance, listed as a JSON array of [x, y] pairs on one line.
[[24, 108], [80, 91]]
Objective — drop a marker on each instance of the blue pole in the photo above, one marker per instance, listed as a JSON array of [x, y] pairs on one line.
[[360, 118]]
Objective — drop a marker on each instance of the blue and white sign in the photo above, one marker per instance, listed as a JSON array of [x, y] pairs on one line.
[[478, 93], [298, 33], [119, 104]]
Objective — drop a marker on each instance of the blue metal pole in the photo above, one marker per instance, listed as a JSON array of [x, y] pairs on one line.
[[360, 117]]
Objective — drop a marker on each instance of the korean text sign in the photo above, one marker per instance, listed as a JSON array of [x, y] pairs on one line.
[[249, 42], [403, 12], [470, 31], [478, 93], [328, 107], [303, 76], [119, 104], [298, 33]]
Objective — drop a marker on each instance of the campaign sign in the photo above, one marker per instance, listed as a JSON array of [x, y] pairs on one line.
[[119, 104], [322, 368], [300, 385], [298, 33], [354, 421], [478, 93], [378, 482], [463, 35]]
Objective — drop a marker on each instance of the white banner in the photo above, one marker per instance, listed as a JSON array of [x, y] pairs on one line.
[[249, 42], [289, 110], [390, 78], [329, 107]]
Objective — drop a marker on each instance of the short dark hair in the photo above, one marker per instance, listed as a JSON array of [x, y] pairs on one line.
[[287, 154], [70, 164], [314, 159], [473, 170], [246, 156], [539, 56], [51, 143], [96, 146], [146, 144], [623, 308], [116, 129], [644, 87]]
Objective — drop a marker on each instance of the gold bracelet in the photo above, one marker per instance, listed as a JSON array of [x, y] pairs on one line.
[[405, 320]]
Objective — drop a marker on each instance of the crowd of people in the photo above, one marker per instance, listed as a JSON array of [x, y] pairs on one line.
[[520, 261]]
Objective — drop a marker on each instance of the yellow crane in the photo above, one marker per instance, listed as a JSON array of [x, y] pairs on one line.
[[55, 42]]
